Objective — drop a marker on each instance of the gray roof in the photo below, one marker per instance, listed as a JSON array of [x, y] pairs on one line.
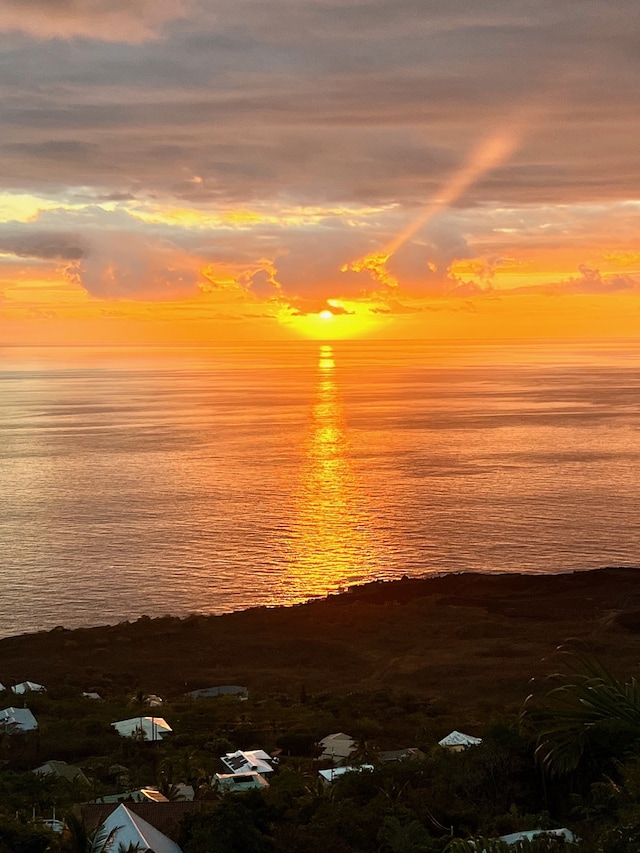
[[62, 770], [28, 687], [21, 719], [387, 756], [530, 834], [222, 690]]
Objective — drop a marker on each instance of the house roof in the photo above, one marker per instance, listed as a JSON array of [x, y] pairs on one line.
[[530, 834], [241, 781], [244, 762], [62, 770], [130, 829], [336, 772], [184, 792], [222, 690], [338, 746], [456, 738], [337, 737], [151, 728], [166, 817], [140, 795], [28, 687], [386, 756], [21, 718]]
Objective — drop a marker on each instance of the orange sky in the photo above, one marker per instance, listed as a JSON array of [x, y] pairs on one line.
[[251, 171]]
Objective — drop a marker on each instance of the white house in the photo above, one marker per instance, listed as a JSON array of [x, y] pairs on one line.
[[529, 834], [28, 687], [334, 773], [143, 728], [457, 741], [336, 747], [240, 781], [125, 829], [245, 762], [18, 719]]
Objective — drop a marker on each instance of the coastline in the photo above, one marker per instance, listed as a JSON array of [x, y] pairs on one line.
[[468, 639]]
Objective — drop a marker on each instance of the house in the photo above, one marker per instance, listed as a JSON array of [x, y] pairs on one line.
[[183, 792], [91, 695], [28, 687], [390, 756], [18, 720], [256, 760], [240, 781], [143, 728], [165, 817], [564, 834], [125, 829], [223, 690], [62, 770], [336, 747], [457, 741], [152, 700], [141, 795], [333, 773]]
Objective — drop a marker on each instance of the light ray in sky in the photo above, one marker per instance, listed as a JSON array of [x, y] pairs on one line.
[[491, 152]]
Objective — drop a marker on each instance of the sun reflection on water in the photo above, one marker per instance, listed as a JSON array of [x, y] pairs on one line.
[[331, 541]]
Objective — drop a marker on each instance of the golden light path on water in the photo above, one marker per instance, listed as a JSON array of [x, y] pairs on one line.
[[331, 541]]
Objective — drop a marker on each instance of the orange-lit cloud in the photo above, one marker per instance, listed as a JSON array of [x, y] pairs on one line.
[[224, 166], [112, 20]]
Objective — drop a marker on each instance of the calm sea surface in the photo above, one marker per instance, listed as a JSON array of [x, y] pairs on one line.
[[147, 481]]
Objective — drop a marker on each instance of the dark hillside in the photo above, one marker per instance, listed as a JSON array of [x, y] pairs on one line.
[[471, 641]]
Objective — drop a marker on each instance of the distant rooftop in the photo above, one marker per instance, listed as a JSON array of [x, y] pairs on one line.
[[456, 738], [221, 690], [28, 687], [18, 719]]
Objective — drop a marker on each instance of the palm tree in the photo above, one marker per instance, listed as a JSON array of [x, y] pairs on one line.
[[588, 704], [398, 837], [79, 840]]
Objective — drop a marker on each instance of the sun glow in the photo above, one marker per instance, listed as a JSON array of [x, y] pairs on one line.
[[340, 321]]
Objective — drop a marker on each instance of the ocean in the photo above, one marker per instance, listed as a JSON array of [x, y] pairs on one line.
[[169, 481]]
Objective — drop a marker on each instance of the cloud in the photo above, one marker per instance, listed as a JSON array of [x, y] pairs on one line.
[[317, 101], [112, 20], [329, 127], [46, 245], [126, 266], [592, 282]]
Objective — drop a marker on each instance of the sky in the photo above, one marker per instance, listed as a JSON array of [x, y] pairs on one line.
[[196, 171]]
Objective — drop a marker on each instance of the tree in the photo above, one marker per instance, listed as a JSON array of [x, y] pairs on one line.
[[398, 837], [79, 840], [590, 711]]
